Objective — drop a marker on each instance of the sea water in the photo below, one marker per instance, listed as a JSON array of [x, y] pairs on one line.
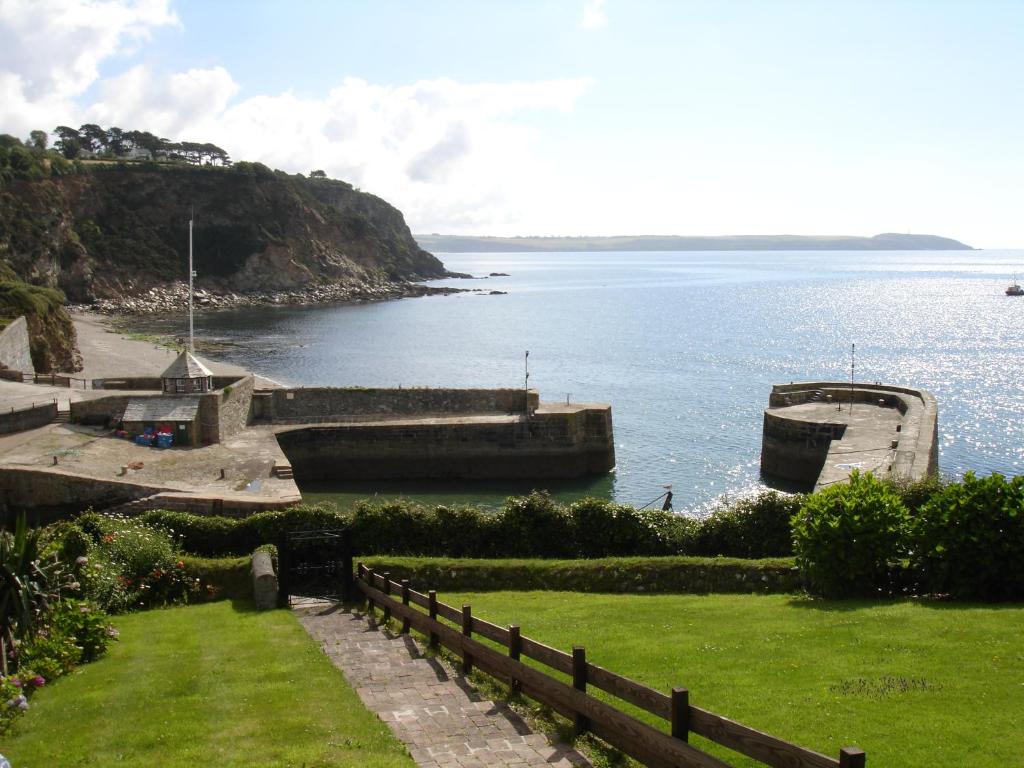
[[685, 347]]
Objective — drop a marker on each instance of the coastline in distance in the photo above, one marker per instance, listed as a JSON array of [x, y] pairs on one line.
[[890, 241]]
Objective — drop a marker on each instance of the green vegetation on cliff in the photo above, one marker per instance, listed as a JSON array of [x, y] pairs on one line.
[[51, 332], [114, 229]]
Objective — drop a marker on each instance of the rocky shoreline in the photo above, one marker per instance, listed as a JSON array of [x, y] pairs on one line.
[[174, 297]]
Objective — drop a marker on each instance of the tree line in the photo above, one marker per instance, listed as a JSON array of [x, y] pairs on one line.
[[92, 139]]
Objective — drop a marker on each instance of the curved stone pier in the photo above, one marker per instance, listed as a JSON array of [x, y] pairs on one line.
[[816, 433]]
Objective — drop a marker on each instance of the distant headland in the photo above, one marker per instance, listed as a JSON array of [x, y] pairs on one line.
[[889, 241]]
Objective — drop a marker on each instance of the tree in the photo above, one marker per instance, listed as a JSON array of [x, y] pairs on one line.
[[69, 143], [116, 141], [39, 140], [93, 137], [317, 175]]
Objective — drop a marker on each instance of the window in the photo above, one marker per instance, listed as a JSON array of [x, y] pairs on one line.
[[180, 384]]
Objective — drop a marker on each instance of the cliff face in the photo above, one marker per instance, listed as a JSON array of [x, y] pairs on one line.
[[117, 230]]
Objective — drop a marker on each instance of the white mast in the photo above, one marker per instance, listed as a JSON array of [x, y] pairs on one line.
[[191, 274]]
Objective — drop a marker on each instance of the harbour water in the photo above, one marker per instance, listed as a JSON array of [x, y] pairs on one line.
[[685, 346]]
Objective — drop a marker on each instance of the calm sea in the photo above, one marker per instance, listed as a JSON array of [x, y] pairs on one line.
[[685, 346]]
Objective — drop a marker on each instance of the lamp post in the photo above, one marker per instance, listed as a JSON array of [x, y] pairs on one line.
[[526, 383]]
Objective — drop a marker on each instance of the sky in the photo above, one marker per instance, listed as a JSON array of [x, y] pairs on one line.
[[568, 117]]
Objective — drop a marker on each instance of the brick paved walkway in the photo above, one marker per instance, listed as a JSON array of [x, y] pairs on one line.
[[442, 719]]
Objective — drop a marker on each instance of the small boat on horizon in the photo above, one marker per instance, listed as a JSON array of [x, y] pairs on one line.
[[1015, 288]]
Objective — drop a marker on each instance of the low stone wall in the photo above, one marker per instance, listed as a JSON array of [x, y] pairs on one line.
[[130, 383], [337, 403], [27, 418], [15, 352], [48, 495], [558, 445], [100, 411]]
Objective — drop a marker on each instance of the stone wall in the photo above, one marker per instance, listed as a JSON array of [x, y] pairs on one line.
[[100, 411], [15, 352], [131, 383], [48, 495], [557, 445], [794, 449], [234, 406], [308, 405], [27, 418]]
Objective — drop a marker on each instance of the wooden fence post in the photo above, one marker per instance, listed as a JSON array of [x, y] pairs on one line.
[[851, 757], [579, 682], [348, 592], [432, 607], [371, 580], [405, 602], [467, 631], [387, 591], [681, 713], [515, 648]]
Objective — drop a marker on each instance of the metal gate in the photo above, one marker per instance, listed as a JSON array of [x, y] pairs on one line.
[[315, 564]]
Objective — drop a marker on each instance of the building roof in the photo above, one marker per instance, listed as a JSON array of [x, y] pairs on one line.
[[161, 409], [186, 366]]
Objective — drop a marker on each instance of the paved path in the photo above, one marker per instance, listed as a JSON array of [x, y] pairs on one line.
[[444, 722]]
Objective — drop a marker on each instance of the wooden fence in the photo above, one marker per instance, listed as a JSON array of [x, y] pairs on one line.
[[638, 739], [52, 379]]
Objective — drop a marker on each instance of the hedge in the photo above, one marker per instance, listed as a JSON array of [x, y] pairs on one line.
[[528, 526], [698, 575]]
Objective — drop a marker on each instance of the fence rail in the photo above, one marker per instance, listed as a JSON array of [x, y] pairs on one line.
[[52, 379], [634, 737]]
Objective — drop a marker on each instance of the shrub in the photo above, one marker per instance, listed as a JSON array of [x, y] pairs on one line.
[[848, 538], [534, 526], [605, 529], [968, 540], [129, 564], [754, 527]]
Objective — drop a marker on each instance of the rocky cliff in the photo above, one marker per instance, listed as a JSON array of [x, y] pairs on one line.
[[115, 231]]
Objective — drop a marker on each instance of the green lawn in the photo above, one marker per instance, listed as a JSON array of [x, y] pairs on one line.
[[912, 683], [209, 685]]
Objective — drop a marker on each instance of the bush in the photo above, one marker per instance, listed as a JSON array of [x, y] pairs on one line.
[[534, 526], [605, 529], [848, 538], [128, 564], [754, 527], [968, 540]]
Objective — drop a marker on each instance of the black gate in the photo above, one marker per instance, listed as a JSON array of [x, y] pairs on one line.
[[315, 564]]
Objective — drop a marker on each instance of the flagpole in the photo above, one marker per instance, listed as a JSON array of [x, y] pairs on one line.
[[191, 324]]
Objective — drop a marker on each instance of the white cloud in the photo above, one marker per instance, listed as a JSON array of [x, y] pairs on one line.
[[452, 156], [594, 15], [52, 50]]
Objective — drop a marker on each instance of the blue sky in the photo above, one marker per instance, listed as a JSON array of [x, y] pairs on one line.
[[570, 117]]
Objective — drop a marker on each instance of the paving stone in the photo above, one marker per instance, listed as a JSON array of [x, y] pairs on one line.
[[442, 720]]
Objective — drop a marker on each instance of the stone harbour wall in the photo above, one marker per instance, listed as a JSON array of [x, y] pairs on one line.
[[307, 405], [559, 445], [49, 494], [27, 418]]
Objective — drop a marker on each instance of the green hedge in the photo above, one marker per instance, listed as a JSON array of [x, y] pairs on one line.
[[619, 574], [528, 526], [968, 539]]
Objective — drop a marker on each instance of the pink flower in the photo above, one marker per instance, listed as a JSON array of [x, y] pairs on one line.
[[38, 680]]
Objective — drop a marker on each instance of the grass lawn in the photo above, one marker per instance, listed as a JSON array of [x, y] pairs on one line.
[[912, 683], [208, 685]]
